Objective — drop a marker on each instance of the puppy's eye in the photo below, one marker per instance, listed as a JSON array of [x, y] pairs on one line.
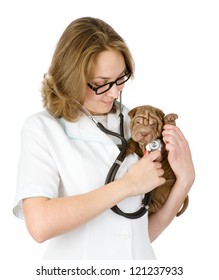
[[153, 123], [138, 121]]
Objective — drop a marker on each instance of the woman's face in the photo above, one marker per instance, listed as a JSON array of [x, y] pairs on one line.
[[108, 66]]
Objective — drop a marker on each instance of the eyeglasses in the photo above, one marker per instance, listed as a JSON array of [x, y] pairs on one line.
[[119, 82]]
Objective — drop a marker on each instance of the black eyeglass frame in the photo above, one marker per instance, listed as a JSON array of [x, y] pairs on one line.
[[95, 89]]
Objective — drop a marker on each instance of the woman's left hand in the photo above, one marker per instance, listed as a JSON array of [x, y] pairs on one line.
[[179, 155], [180, 160]]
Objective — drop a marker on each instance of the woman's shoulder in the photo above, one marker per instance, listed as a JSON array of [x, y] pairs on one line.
[[41, 118], [40, 122]]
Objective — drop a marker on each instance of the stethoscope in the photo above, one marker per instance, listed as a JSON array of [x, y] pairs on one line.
[[117, 163]]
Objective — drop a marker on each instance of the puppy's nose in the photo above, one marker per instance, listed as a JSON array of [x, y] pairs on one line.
[[143, 133]]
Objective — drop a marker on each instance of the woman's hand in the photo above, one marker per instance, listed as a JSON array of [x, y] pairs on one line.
[[180, 159], [179, 155], [145, 175]]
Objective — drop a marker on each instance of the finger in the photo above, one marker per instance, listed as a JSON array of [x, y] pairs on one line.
[[162, 181], [160, 172], [154, 155], [169, 139], [157, 164], [173, 136], [170, 147], [173, 130]]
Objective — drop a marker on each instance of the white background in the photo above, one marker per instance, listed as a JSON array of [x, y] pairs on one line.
[[175, 45]]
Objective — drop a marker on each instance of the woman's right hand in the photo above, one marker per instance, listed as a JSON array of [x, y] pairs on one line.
[[145, 175], [49, 217]]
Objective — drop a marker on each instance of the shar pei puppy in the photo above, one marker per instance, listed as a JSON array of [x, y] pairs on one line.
[[146, 123]]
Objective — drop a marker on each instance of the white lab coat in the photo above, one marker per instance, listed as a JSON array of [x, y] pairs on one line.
[[61, 158]]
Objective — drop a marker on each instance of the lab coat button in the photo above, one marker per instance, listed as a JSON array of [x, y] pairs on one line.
[[124, 235]]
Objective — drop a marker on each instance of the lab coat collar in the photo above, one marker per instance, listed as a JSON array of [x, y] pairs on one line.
[[86, 129]]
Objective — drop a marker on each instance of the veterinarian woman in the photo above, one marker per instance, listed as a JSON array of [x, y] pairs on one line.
[[65, 157]]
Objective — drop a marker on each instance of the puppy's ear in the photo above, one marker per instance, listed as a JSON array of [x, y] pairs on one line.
[[132, 112], [170, 119]]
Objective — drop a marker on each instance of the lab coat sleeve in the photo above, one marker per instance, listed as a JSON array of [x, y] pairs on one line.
[[37, 174]]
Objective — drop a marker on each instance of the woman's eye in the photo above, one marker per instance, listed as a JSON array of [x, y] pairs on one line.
[[98, 84]]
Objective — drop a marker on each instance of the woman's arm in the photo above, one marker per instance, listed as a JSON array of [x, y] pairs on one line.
[[46, 218], [180, 159]]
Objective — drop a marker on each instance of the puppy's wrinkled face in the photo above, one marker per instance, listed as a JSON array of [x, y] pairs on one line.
[[146, 124], [145, 130]]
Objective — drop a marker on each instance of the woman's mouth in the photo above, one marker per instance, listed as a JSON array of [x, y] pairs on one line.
[[106, 102]]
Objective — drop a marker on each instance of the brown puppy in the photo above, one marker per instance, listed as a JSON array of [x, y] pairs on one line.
[[147, 125]]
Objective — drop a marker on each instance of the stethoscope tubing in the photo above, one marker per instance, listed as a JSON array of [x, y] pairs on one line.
[[114, 169], [117, 163]]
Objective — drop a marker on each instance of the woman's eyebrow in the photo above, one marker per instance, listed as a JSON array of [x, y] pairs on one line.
[[107, 78]]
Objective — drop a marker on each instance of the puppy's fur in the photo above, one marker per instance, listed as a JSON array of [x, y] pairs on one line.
[[147, 125]]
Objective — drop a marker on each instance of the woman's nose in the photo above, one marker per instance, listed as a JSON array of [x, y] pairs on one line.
[[113, 92]]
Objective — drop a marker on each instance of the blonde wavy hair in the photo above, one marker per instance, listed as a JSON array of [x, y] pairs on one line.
[[72, 62]]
